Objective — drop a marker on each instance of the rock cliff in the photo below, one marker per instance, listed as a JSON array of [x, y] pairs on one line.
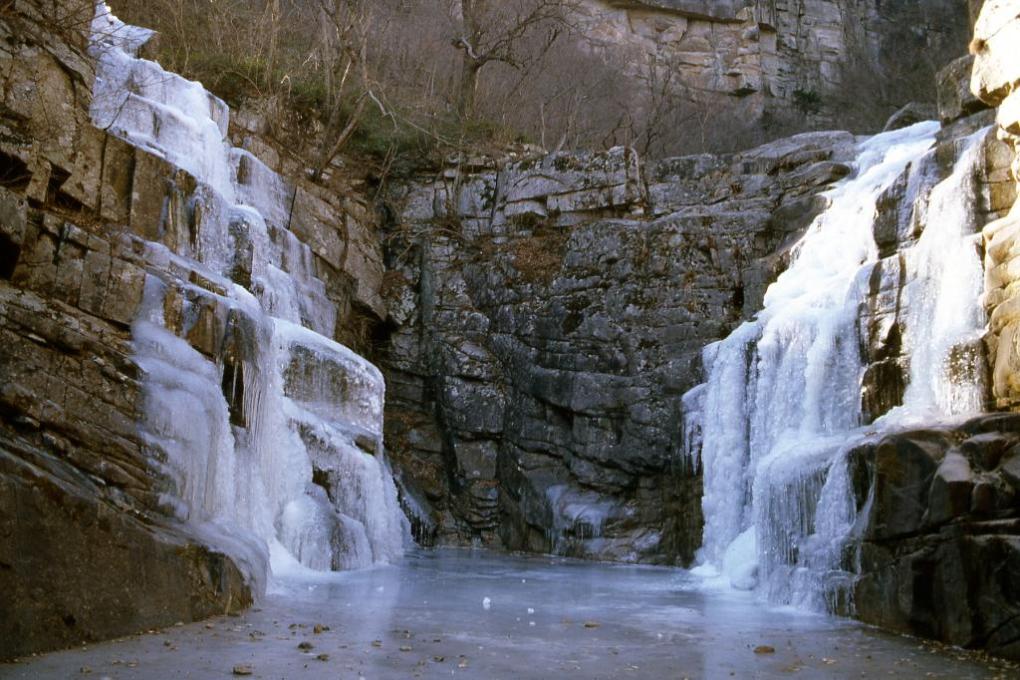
[[940, 555], [548, 312], [996, 81], [780, 61], [81, 536], [175, 414]]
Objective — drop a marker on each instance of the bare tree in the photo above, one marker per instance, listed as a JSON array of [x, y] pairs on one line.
[[494, 31], [346, 27], [519, 70]]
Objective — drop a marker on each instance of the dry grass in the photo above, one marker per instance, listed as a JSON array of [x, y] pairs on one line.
[[539, 257]]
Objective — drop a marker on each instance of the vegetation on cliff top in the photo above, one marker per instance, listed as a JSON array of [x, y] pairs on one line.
[[385, 77], [391, 80]]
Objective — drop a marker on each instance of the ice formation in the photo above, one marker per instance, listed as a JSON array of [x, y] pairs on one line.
[[274, 449], [781, 406]]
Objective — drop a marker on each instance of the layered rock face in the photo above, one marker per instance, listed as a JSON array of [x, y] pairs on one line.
[[177, 412], [82, 537], [176, 415], [549, 312], [940, 555], [996, 81], [922, 521], [773, 60]]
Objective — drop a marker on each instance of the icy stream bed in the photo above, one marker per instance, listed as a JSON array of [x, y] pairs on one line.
[[480, 615]]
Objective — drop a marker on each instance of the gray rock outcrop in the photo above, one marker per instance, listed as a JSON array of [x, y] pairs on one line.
[[549, 312]]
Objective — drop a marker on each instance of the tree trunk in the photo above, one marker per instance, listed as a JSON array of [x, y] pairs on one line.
[[274, 36], [468, 87]]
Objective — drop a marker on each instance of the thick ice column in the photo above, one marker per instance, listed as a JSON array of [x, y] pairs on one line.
[[334, 400], [944, 322]]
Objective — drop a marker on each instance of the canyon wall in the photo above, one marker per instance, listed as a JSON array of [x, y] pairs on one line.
[[996, 81], [537, 319], [85, 552], [947, 563], [941, 547]]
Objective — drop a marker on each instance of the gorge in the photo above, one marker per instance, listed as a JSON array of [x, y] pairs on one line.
[[785, 375]]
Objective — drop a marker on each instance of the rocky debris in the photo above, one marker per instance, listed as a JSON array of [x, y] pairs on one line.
[[549, 313], [996, 81], [940, 553]]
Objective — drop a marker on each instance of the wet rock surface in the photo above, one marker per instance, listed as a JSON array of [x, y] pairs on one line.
[[426, 618]]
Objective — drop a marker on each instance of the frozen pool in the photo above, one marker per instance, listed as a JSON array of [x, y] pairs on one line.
[[479, 615]]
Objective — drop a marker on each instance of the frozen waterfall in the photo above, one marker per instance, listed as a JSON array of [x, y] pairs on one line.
[[273, 441], [781, 406]]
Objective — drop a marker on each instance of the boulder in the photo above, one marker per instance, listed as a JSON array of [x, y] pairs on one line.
[[910, 114], [951, 489], [996, 33], [955, 99], [905, 466]]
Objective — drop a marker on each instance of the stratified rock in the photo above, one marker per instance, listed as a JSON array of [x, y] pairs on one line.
[[779, 59], [996, 80], [534, 394], [96, 539]]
